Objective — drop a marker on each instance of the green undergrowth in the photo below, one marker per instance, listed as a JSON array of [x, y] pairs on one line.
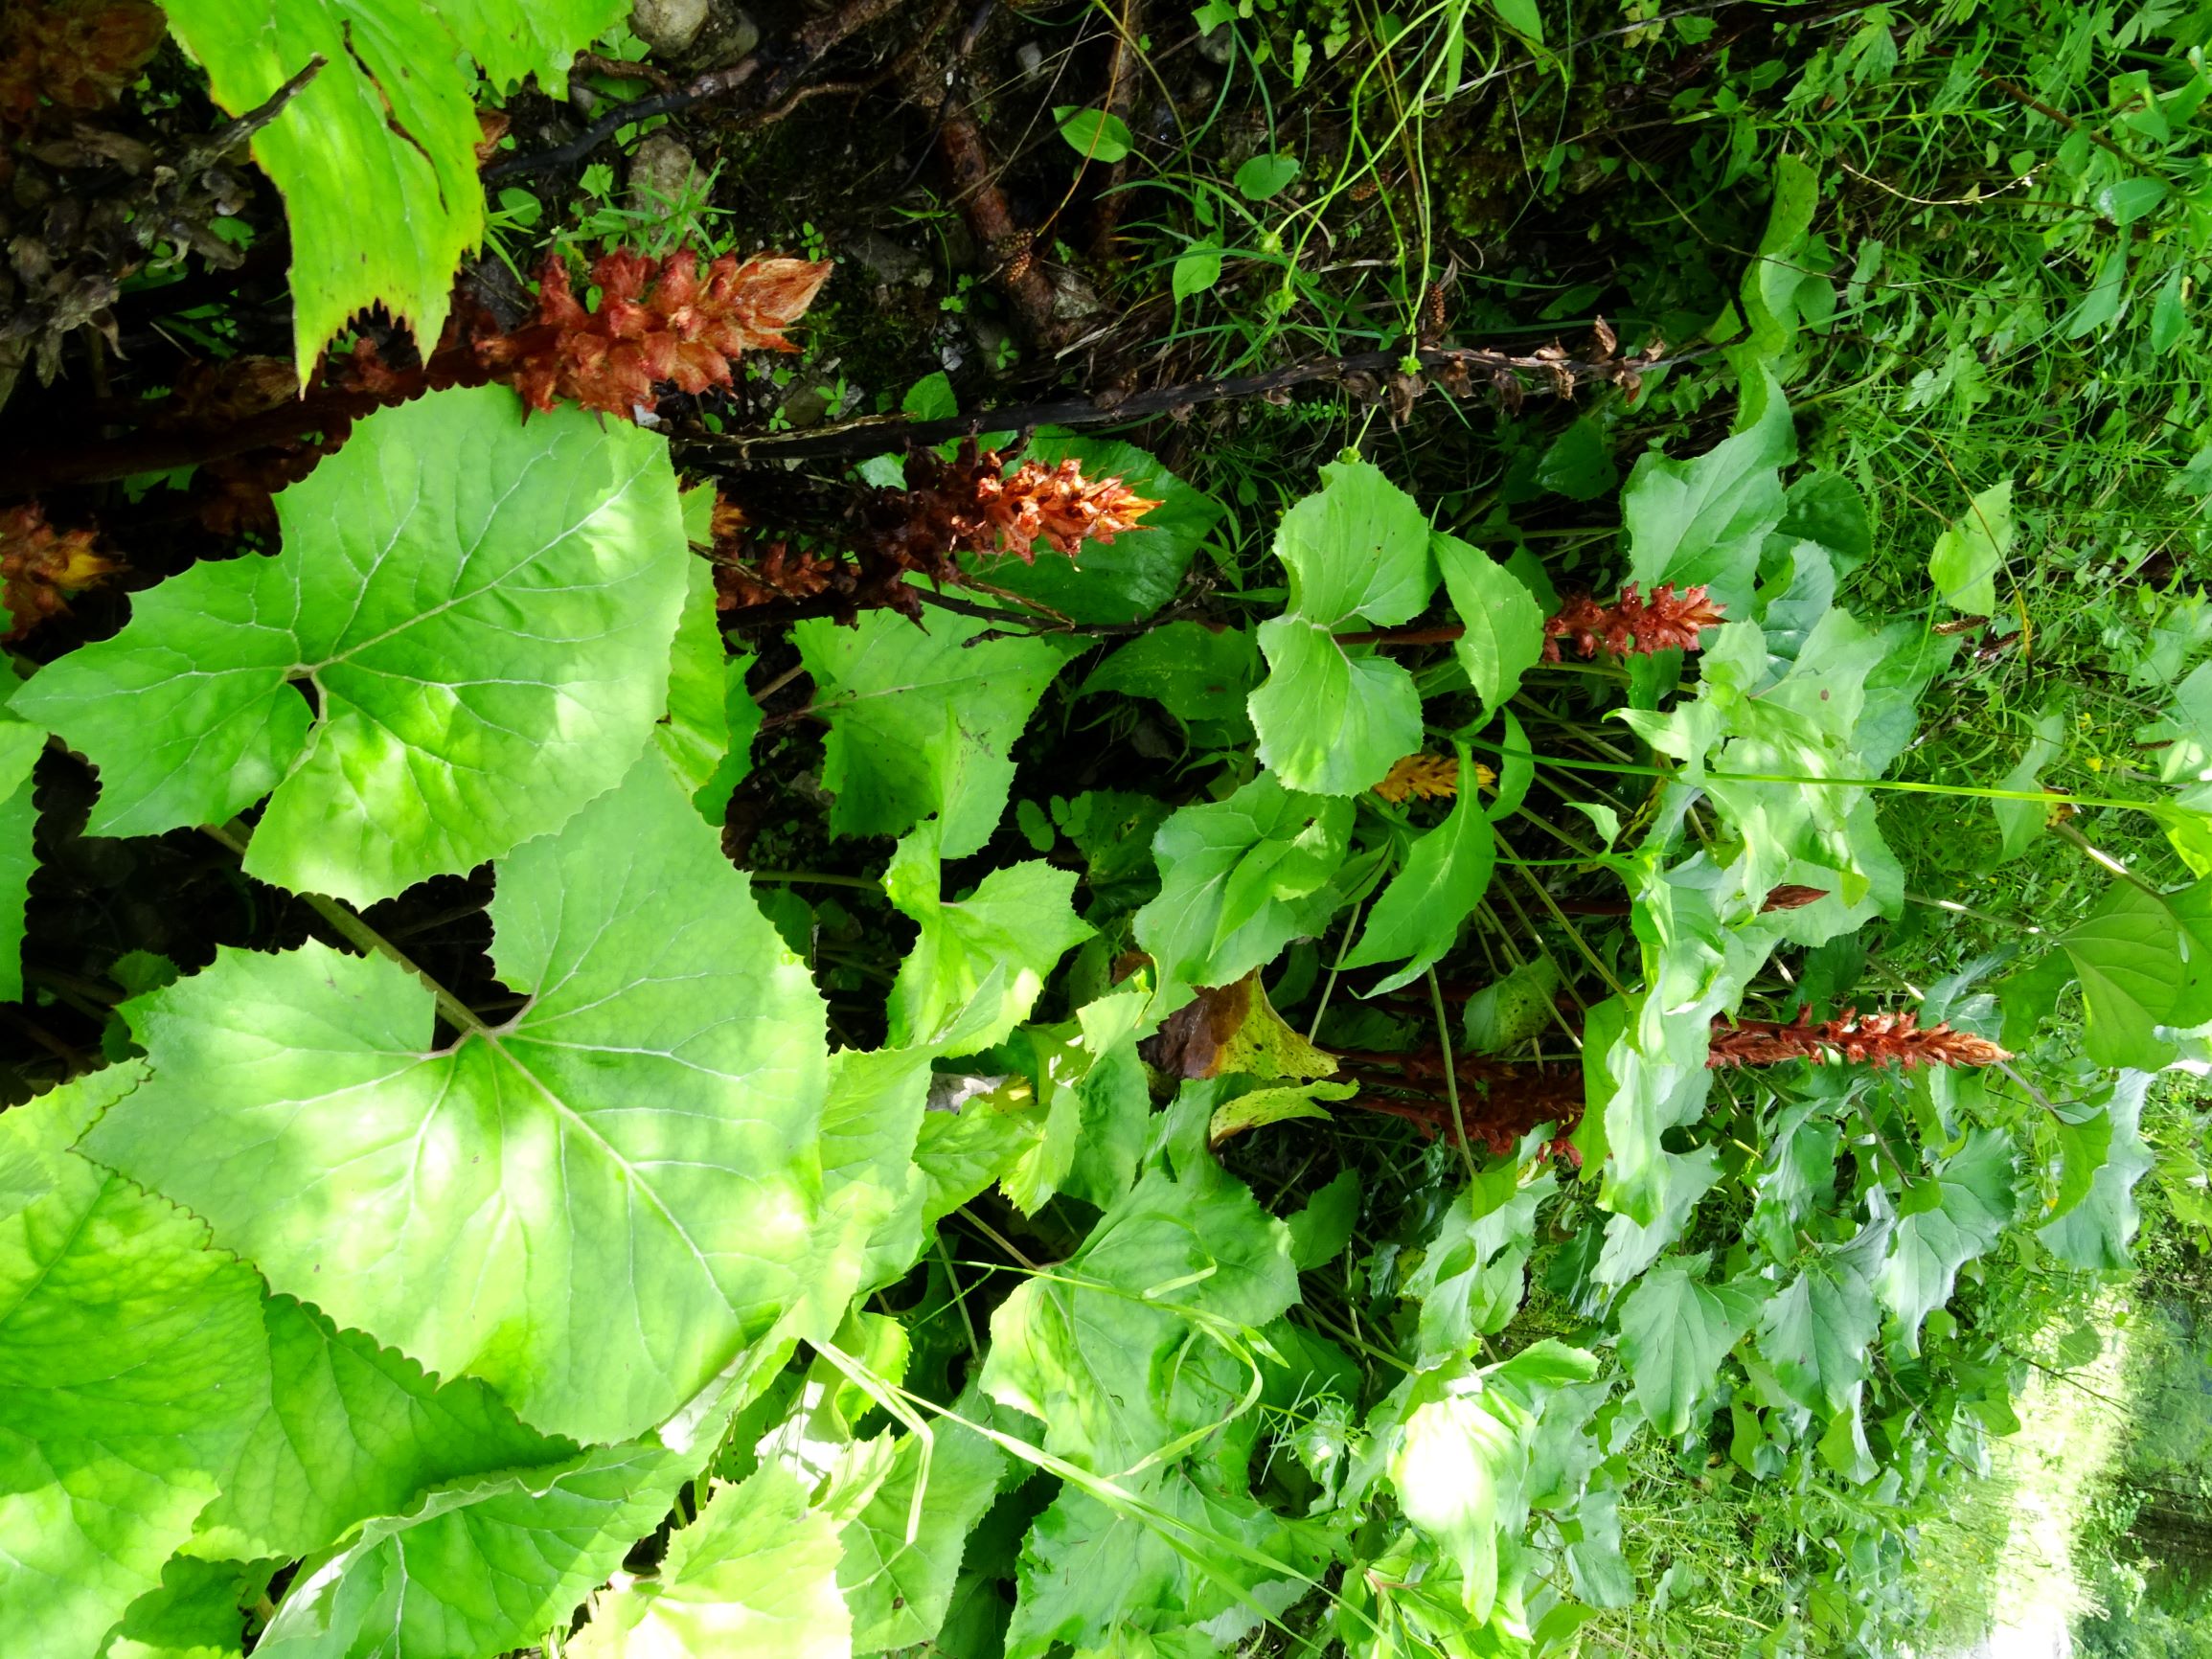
[[1021, 1135]]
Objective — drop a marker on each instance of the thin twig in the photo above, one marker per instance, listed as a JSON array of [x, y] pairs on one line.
[[876, 434]]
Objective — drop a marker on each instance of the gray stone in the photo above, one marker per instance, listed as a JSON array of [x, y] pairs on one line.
[[730, 33], [1218, 46], [804, 406], [668, 24], [888, 259], [662, 174]]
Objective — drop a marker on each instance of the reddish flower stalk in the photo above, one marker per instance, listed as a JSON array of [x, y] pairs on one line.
[[1500, 1103], [971, 505], [1878, 1039], [1631, 624], [658, 322]]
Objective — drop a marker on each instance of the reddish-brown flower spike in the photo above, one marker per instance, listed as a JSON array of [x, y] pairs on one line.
[[1633, 624], [969, 505], [1878, 1039], [658, 323]]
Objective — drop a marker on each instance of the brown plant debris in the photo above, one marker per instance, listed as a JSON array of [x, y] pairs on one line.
[[1631, 624], [64, 56], [43, 566], [1429, 777], [1876, 1039]]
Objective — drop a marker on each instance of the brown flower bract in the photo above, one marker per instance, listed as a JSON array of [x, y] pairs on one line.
[[1631, 624], [658, 322]]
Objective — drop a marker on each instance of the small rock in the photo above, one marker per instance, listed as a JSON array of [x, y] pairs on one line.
[[668, 24], [1073, 299], [662, 173], [1031, 57], [730, 33], [887, 259], [804, 406], [1218, 46], [990, 335]]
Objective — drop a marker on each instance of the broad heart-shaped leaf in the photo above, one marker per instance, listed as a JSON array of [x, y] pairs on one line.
[[1504, 636], [1418, 916], [1239, 881], [1331, 718], [1817, 1332], [1968, 556], [197, 1612], [755, 1575], [1704, 521], [593, 1206], [480, 1566], [897, 1592], [131, 1363], [1457, 1464], [1119, 1350], [1675, 1329], [20, 746], [1194, 671], [1140, 570], [388, 127], [1087, 1572], [706, 737], [1472, 1273], [1928, 1246], [981, 959], [349, 1430], [483, 610], [920, 723], [2094, 1233], [1359, 547], [2128, 952]]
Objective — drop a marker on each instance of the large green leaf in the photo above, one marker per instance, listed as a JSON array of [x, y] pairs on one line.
[[1137, 572], [385, 135], [593, 1206], [1194, 671], [1332, 718], [2095, 1232], [985, 956], [1472, 1273], [898, 1591], [1120, 1351], [1674, 1330], [1240, 879], [1418, 916], [131, 1362], [920, 721], [755, 1575], [2128, 952], [197, 1612], [1088, 1569], [480, 1566], [1504, 636], [350, 1430], [1817, 1332], [706, 737], [481, 610], [1968, 556], [1974, 1201], [1704, 521]]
